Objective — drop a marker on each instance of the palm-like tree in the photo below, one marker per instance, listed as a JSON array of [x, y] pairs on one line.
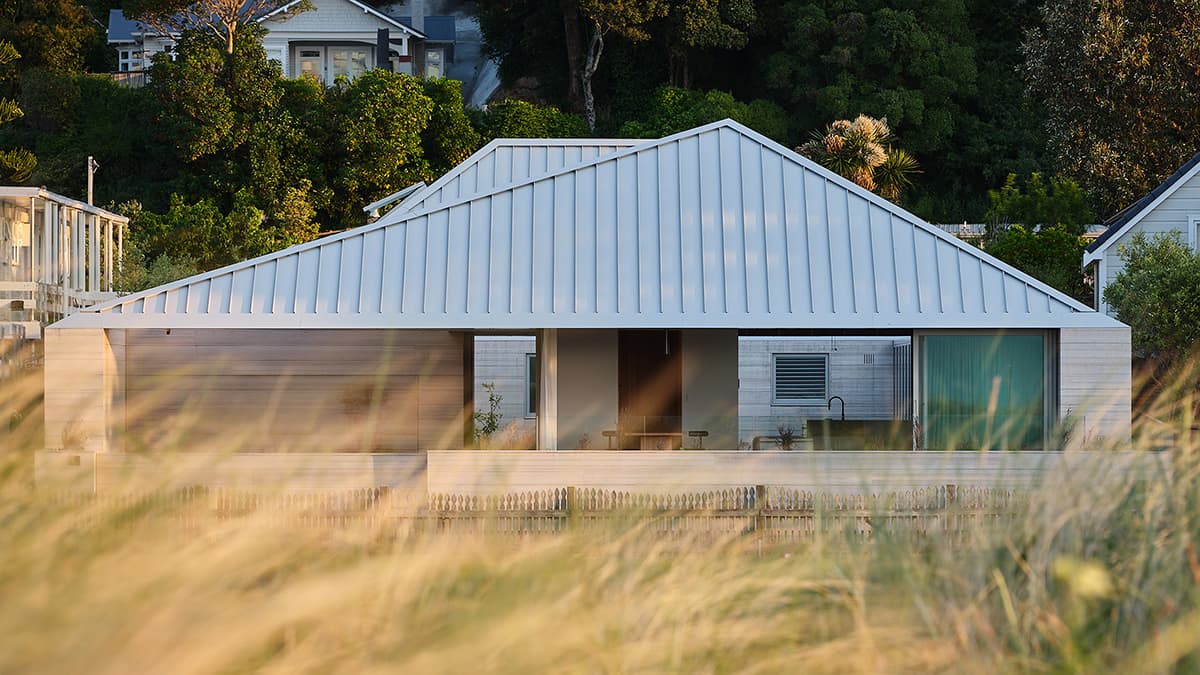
[[862, 151]]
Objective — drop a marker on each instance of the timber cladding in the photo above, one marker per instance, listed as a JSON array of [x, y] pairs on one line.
[[268, 390]]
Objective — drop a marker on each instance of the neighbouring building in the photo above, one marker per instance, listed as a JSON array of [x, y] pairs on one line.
[[57, 255], [334, 38], [1172, 207], [645, 273]]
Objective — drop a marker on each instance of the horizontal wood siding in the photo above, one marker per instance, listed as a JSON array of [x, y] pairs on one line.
[[860, 371], [80, 379], [1172, 214], [501, 361], [294, 390], [1095, 380]]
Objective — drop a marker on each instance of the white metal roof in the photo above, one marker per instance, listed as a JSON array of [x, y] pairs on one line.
[[714, 227], [505, 161]]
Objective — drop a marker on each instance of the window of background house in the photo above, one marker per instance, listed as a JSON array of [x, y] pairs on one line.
[[799, 379]]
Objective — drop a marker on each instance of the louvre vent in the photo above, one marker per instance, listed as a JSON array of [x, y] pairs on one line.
[[800, 378]]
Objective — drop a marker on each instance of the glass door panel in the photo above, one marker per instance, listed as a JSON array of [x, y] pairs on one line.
[[983, 392]]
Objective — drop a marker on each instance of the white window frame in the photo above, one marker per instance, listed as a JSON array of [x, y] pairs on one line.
[[1194, 232], [530, 383], [777, 401]]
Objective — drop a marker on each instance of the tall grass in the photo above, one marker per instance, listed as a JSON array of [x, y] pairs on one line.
[[1096, 573]]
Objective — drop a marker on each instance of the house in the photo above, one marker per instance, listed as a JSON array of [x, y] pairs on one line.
[[636, 270], [334, 38], [57, 255], [1173, 206]]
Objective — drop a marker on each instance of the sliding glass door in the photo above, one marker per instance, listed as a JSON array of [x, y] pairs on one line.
[[985, 391]]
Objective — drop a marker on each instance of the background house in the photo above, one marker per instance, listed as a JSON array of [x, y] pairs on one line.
[[335, 38], [1173, 206]]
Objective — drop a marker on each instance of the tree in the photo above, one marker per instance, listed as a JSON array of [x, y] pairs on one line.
[[450, 138], [862, 151], [1062, 204], [15, 165], [511, 118], [1051, 253], [673, 110], [704, 24], [377, 121], [225, 20], [211, 99], [50, 34], [1120, 82], [623, 17], [1157, 293]]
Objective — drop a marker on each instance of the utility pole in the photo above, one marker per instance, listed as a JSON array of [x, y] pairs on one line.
[[92, 165]]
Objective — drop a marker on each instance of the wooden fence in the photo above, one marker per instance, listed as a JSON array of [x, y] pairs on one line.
[[772, 513]]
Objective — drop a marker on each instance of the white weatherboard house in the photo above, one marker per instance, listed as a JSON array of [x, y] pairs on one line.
[[334, 38], [57, 255], [636, 267], [1172, 207]]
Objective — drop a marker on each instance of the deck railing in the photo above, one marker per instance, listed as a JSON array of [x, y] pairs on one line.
[[772, 513]]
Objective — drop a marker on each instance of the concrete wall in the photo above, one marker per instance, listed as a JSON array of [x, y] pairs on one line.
[[587, 387], [710, 387], [1095, 381]]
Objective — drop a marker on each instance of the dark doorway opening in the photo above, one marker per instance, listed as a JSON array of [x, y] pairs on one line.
[[650, 389]]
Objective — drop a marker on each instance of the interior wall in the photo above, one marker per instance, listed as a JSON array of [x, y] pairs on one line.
[[710, 387], [293, 390], [587, 387]]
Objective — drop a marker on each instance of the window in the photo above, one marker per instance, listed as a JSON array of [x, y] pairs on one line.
[[1194, 232], [985, 391], [531, 385], [348, 61], [799, 379]]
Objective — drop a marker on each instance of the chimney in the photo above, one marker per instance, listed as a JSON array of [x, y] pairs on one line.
[[382, 46]]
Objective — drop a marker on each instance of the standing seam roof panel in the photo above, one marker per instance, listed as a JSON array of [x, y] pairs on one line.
[[594, 239]]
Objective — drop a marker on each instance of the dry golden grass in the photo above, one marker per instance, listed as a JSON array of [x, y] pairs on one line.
[[1083, 579]]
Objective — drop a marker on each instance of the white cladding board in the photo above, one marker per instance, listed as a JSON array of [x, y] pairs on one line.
[[717, 227], [1096, 377]]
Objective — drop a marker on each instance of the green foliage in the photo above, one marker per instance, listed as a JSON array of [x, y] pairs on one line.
[[1158, 294], [861, 150], [377, 122], [199, 232], [1120, 83], [16, 165], [1062, 203], [487, 422], [1052, 254], [118, 125], [673, 110], [210, 100], [511, 118], [450, 138], [53, 35]]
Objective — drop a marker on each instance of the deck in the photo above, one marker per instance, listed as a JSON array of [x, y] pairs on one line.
[[476, 472]]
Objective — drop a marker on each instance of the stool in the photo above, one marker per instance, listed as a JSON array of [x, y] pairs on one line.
[[610, 434], [699, 435]]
